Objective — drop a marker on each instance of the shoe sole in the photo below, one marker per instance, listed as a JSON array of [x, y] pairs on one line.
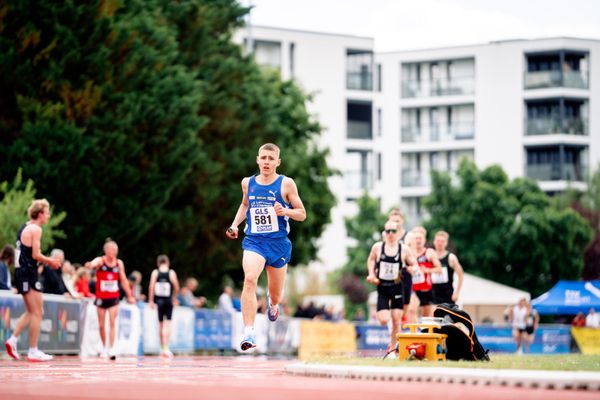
[[37, 360], [112, 358], [10, 351], [247, 346]]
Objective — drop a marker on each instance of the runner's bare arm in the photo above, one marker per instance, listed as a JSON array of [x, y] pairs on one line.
[[36, 240], [371, 260], [153, 278], [125, 282], [240, 216], [409, 258], [290, 192], [435, 260], [175, 283], [460, 274]]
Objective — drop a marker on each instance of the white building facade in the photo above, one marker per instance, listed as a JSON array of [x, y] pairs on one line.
[[531, 106]]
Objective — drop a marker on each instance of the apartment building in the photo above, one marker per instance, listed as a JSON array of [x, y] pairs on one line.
[[531, 106]]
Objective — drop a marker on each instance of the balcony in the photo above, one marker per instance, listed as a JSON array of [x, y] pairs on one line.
[[414, 178], [359, 81], [555, 125], [556, 172], [556, 78], [439, 133], [440, 87], [358, 180], [456, 131]]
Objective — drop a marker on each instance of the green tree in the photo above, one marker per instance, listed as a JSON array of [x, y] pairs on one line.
[[140, 119], [16, 197], [364, 229], [507, 231]]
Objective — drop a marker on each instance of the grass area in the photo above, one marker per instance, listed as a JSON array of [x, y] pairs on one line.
[[567, 362]]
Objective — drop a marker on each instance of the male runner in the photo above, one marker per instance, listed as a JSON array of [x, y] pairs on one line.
[[269, 200], [385, 270], [443, 289]]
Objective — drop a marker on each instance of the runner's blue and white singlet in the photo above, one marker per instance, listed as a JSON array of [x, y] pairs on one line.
[[261, 220]]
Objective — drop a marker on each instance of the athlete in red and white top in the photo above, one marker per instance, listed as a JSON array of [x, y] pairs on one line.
[[429, 263], [109, 272]]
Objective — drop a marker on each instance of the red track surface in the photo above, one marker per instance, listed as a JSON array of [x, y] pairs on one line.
[[240, 378]]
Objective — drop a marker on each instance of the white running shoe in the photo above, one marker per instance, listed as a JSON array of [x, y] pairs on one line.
[[112, 354], [38, 356], [167, 354], [11, 349]]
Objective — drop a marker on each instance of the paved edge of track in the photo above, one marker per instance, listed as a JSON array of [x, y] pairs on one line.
[[574, 380]]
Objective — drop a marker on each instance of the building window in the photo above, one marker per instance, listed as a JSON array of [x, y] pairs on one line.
[[359, 69], [556, 116], [443, 78], [359, 172], [292, 59], [379, 123], [560, 68], [359, 120], [267, 53], [558, 162]]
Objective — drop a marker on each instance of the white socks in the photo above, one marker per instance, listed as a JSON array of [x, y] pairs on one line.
[[248, 331]]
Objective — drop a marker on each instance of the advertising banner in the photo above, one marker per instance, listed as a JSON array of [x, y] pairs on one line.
[[587, 339], [548, 339]]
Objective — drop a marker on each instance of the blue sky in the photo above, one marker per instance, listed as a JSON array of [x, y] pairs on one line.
[[411, 24]]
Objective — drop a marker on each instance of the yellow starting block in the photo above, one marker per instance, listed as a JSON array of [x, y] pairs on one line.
[[433, 344]]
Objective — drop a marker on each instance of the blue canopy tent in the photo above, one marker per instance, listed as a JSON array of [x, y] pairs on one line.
[[569, 298]]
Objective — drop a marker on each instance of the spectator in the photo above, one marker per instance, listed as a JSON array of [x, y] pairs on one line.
[[68, 277], [226, 300], [82, 282], [186, 294], [7, 258], [579, 320], [592, 320], [137, 288], [359, 315], [51, 279]]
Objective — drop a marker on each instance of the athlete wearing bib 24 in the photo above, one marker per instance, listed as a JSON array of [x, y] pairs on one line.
[[396, 216], [109, 272], [28, 247], [385, 270], [269, 200], [428, 264], [162, 292], [443, 288]]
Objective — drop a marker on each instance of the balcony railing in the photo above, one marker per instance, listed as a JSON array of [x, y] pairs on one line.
[[359, 81], [440, 87], [438, 133], [456, 131], [412, 178], [556, 78], [549, 126], [556, 172], [358, 180], [359, 130]]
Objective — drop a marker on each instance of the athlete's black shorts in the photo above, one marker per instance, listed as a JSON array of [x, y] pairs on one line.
[[165, 309], [389, 297], [442, 295], [426, 298], [529, 330], [27, 279], [406, 285], [106, 303]]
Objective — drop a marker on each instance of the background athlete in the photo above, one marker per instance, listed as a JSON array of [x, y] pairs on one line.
[[385, 270], [162, 293], [29, 240], [269, 200], [443, 282], [109, 272]]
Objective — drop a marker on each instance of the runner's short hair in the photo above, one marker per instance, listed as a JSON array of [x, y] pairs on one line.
[[420, 229], [162, 259], [37, 207], [270, 147], [443, 234]]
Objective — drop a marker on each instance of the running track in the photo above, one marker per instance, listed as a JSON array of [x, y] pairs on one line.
[[223, 378]]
